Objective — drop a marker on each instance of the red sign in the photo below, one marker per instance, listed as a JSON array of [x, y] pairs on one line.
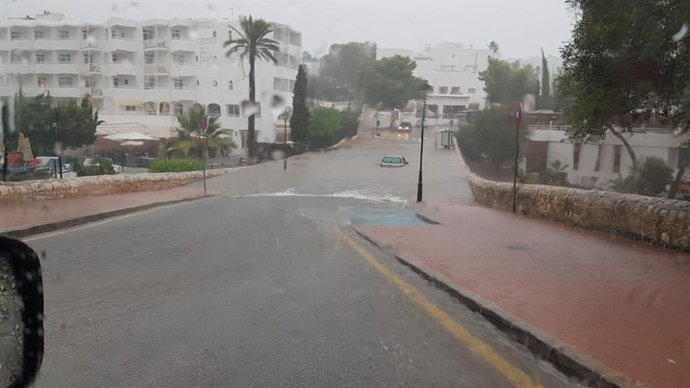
[[515, 113]]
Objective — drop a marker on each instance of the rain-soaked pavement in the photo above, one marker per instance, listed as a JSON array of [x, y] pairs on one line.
[[256, 287]]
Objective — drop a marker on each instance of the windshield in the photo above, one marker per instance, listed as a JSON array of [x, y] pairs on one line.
[[350, 193]]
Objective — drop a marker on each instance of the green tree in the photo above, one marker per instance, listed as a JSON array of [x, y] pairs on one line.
[[493, 46], [391, 84], [39, 117], [545, 100], [252, 43], [340, 71], [625, 64], [192, 139], [323, 126], [505, 82], [491, 136], [299, 121], [655, 175]]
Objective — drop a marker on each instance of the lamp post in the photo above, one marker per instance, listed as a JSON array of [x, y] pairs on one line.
[[285, 114], [420, 184], [5, 112], [58, 146]]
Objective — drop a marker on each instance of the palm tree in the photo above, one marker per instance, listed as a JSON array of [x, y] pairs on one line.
[[190, 136], [252, 42]]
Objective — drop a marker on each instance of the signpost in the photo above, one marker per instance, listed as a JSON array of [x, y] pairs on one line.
[[203, 123], [515, 114]]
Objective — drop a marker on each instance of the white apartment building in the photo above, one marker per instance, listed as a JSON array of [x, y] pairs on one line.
[[452, 70], [145, 72], [596, 163]]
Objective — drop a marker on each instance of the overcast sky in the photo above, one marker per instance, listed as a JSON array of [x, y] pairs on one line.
[[519, 27]]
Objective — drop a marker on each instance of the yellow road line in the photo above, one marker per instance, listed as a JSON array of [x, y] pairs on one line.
[[512, 373]]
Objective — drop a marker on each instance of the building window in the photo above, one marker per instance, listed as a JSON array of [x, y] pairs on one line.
[[148, 59], [148, 34], [443, 90], [175, 34], [576, 156], [88, 58], [455, 90], [85, 34], [116, 82], [88, 83], [149, 83], [214, 33], [130, 108], [63, 34], [40, 58], [471, 91], [178, 108], [231, 86], [229, 34], [232, 110], [41, 82], [64, 58], [214, 83], [179, 84], [14, 58], [15, 35], [126, 81], [617, 158], [65, 82], [197, 82], [117, 34], [178, 59], [598, 161], [213, 110], [38, 35]]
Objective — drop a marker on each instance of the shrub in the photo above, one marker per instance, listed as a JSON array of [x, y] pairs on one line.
[[623, 184], [655, 175], [100, 166], [176, 165]]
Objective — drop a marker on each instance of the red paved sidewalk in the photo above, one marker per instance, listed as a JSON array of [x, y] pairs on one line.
[[621, 303], [33, 213]]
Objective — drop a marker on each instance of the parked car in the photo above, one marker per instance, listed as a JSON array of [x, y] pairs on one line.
[[393, 161]]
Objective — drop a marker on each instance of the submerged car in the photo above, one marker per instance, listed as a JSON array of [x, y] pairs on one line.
[[393, 161]]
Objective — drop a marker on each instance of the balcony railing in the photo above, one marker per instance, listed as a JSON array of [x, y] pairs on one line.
[[90, 46], [156, 69], [152, 43], [91, 68]]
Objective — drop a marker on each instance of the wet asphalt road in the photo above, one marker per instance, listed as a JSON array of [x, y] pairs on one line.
[[241, 290]]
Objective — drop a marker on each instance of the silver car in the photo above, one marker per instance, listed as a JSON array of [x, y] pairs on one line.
[[393, 161]]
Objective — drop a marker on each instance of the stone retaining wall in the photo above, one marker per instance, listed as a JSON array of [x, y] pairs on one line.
[[12, 192], [661, 221]]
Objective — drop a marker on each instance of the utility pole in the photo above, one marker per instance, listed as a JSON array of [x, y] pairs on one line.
[[5, 132], [420, 185], [58, 145]]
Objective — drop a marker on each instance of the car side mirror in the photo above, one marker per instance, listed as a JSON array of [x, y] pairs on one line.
[[21, 314]]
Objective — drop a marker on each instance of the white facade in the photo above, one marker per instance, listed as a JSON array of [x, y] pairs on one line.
[[453, 72], [146, 71], [595, 164]]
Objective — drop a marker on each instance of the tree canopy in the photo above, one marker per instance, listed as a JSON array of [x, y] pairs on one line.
[[628, 61], [340, 71], [191, 138], [299, 121], [505, 82], [39, 117], [391, 84], [323, 126]]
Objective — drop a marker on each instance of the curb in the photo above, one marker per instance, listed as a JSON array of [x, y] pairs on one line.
[[545, 347], [53, 226]]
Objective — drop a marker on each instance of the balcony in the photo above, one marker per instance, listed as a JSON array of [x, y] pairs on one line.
[[122, 44], [183, 45], [189, 94], [90, 46], [156, 70], [123, 68], [153, 44], [65, 44], [17, 44], [91, 69], [180, 70]]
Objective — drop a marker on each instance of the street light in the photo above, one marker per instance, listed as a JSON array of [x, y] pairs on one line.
[[58, 146], [285, 115], [425, 89]]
